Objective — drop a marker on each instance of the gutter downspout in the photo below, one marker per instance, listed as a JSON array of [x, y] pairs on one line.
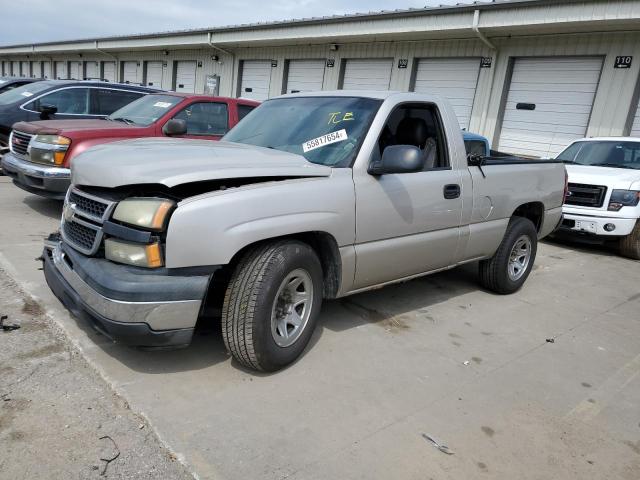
[[233, 60], [117, 72], [487, 42]]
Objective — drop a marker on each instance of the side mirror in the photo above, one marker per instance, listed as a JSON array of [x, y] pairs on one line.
[[46, 111], [398, 159], [175, 127]]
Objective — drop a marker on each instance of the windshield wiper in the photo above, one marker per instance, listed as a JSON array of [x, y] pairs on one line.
[[570, 161], [614, 165], [124, 120]]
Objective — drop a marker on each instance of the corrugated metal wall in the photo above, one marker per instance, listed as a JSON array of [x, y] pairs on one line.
[[611, 110]]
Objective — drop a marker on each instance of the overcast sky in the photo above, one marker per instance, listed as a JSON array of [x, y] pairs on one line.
[[32, 21]]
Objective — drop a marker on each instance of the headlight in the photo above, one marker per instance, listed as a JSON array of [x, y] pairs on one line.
[[151, 213], [49, 149], [623, 198], [133, 253]]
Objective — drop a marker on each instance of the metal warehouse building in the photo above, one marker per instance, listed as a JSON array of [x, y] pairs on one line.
[[531, 75]]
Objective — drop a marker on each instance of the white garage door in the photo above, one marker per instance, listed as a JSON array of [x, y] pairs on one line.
[[130, 72], [455, 79], [186, 76], [635, 127], [154, 74], [109, 71], [305, 76], [256, 79], [549, 104], [91, 70], [61, 70], [75, 70], [46, 70], [36, 69], [367, 74], [15, 69], [25, 69]]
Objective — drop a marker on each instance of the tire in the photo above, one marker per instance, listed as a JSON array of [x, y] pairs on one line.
[[630, 245], [258, 304], [495, 272]]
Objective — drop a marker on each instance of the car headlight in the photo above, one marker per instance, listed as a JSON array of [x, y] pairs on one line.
[[49, 149], [623, 198], [149, 213], [136, 254]]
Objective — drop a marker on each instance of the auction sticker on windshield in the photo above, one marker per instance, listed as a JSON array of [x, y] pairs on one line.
[[162, 104], [323, 140]]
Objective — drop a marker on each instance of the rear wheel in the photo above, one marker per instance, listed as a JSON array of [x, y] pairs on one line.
[[630, 245], [510, 266], [271, 304]]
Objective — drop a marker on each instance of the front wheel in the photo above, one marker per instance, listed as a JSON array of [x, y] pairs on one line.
[[630, 245], [271, 305], [510, 266]]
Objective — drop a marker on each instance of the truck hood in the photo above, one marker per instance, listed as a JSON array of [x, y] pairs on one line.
[[68, 127], [611, 177], [173, 162]]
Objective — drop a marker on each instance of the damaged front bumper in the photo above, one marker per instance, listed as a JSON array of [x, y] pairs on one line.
[[130, 305]]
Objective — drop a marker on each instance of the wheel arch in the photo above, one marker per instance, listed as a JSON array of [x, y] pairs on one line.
[[323, 244], [533, 211]]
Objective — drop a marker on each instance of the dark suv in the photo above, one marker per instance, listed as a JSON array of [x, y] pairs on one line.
[[9, 83], [63, 99]]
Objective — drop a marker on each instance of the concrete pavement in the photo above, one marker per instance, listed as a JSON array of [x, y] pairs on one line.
[[387, 366]]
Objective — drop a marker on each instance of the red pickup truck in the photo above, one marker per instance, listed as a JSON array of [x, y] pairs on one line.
[[41, 152]]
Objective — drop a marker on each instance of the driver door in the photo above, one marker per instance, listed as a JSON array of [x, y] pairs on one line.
[[409, 223]]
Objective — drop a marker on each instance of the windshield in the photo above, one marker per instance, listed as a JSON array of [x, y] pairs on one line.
[[145, 110], [324, 130], [606, 153], [23, 93]]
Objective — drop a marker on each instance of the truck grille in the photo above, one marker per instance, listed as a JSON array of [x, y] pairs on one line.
[[584, 195], [82, 218], [19, 143], [80, 235], [89, 206]]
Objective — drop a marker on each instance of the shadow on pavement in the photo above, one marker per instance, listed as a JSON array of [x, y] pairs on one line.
[[583, 245], [389, 306], [44, 206]]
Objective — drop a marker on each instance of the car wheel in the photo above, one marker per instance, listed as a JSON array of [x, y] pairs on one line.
[[630, 245], [272, 304], [510, 266]]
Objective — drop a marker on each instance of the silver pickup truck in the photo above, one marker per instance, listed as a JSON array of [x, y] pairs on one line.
[[313, 196]]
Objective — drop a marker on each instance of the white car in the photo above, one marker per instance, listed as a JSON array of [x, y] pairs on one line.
[[604, 191]]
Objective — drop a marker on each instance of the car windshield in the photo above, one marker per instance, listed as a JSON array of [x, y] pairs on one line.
[[23, 93], [145, 110], [324, 130], [605, 153]]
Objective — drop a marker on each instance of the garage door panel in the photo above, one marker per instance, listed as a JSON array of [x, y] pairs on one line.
[[367, 74], [186, 76], [36, 69], [455, 79], [61, 70], [556, 97], [130, 72], [75, 70], [109, 71], [256, 79], [305, 76], [563, 90], [154, 74], [46, 70], [550, 118], [91, 70]]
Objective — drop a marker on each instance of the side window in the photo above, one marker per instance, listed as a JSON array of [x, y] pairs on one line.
[[419, 125], [475, 147], [105, 101], [244, 110], [205, 118], [73, 101]]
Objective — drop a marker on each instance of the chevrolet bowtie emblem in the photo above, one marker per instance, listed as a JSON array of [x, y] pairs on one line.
[[68, 212]]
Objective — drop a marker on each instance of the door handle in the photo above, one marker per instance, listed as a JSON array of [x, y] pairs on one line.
[[451, 191]]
